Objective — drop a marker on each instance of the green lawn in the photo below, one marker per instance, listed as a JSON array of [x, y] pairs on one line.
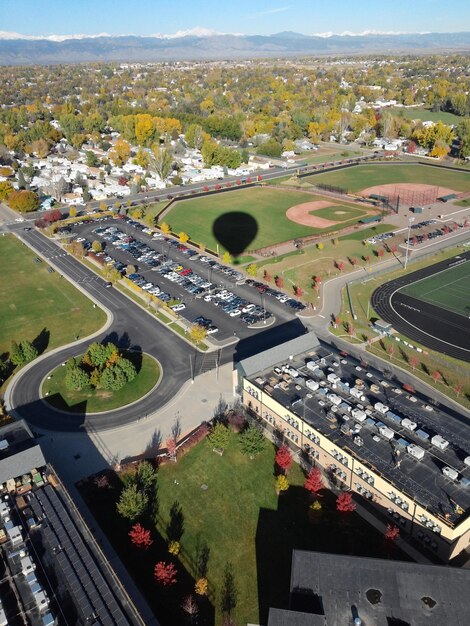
[[360, 177], [425, 115], [267, 206], [97, 401], [464, 203], [449, 289], [38, 305], [339, 213], [230, 505]]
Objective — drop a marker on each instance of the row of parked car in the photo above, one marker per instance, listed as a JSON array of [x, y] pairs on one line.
[[380, 237], [419, 238]]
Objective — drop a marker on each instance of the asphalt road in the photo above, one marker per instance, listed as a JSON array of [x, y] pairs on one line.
[[132, 328]]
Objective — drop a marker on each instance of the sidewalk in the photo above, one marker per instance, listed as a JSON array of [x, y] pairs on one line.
[[77, 455]]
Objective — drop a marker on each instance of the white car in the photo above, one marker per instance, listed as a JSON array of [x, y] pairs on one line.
[[19, 219], [235, 313], [147, 286], [178, 307]]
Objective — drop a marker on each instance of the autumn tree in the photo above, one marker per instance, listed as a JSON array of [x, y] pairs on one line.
[[120, 152], [165, 228], [197, 333], [5, 190], [165, 573], [345, 503], [282, 484], [436, 375], [140, 537], [23, 201], [458, 389], [183, 237], [190, 607], [171, 448], [227, 258], [314, 481], [414, 362], [392, 533], [252, 269], [284, 458]]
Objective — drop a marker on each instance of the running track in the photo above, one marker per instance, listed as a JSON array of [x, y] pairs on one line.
[[431, 326]]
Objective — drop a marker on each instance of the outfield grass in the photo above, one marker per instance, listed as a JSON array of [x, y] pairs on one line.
[[355, 179], [449, 289], [100, 400], [267, 206], [230, 505], [36, 304], [425, 115], [464, 203]]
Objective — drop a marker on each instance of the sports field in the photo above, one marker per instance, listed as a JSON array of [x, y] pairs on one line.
[[449, 289], [38, 305], [340, 213], [266, 205], [355, 179]]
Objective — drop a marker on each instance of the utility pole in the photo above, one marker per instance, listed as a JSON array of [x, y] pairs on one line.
[[410, 221]]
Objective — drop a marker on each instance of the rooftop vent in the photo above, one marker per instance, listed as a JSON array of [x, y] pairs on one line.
[[374, 596]]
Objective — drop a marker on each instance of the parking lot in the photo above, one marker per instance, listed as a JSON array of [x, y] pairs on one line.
[[197, 287]]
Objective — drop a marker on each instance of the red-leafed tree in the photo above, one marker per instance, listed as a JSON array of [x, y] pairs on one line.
[[284, 458], [340, 265], [140, 537], [351, 330], [54, 215], [344, 502], [436, 376], [414, 362], [314, 481], [391, 351], [171, 448], [354, 261], [279, 281], [367, 258], [458, 389], [380, 252], [298, 291], [165, 574], [392, 532]]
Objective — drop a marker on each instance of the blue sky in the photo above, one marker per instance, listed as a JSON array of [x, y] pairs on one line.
[[146, 17]]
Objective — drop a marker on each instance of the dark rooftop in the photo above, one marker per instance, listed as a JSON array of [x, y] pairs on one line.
[[381, 592], [422, 480]]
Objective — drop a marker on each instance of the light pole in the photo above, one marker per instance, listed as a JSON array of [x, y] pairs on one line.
[[410, 221]]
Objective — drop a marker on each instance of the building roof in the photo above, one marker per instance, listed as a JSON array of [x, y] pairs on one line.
[[21, 463], [423, 479], [274, 355], [22, 453], [279, 617], [380, 592]]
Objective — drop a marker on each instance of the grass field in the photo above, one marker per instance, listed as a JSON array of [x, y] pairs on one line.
[[451, 370], [299, 267], [36, 304], [97, 401], [449, 289], [267, 206], [464, 203], [356, 179], [425, 115], [241, 520]]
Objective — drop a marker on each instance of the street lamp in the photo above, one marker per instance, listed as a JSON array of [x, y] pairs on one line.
[[410, 221]]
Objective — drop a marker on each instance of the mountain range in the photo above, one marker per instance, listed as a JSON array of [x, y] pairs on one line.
[[201, 44]]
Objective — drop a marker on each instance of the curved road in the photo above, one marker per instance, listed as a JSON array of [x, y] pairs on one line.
[[432, 326], [130, 327]]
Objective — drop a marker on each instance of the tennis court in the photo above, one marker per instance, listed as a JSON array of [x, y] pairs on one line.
[[448, 289]]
